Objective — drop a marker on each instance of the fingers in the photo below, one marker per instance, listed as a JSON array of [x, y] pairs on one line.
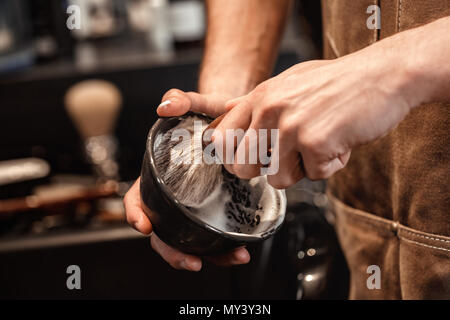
[[175, 258], [236, 257], [229, 132], [339, 162], [317, 169], [176, 103], [246, 163], [230, 104], [289, 171], [135, 216], [183, 261], [256, 145], [322, 152], [285, 160]]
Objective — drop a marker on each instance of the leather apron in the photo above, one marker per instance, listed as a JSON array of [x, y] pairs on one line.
[[392, 201]]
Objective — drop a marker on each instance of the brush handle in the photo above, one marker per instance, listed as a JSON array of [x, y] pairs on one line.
[[212, 125], [216, 121]]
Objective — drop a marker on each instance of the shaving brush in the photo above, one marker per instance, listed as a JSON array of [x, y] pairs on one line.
[[93, 106], [182, 167], [196, 206]]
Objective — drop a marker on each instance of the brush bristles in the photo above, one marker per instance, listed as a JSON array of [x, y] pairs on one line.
[[192, 183], [93, 106]]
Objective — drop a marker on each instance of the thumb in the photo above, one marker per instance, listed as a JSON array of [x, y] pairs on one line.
[[176, 103]]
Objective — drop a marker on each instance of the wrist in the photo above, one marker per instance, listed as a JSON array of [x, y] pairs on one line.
[[423, 54], [395, 70], [411, 66], [380, 68]]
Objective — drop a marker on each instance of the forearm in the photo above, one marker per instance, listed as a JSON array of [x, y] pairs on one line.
[[429, 60], [417, 62], [241, 44]]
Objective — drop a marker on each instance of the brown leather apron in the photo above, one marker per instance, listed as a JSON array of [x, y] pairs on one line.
[[392, 200]]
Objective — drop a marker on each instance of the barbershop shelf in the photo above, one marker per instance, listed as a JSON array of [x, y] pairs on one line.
[[116, 59], [70, 238]]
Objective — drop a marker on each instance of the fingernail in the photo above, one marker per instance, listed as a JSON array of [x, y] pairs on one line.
[[164, 104], [191, 265]]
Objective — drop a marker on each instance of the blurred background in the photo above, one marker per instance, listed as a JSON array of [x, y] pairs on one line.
[[79, 84]]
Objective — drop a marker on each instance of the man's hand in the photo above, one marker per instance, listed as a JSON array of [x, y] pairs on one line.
[[240, 50], [323, 109], [176, 102]]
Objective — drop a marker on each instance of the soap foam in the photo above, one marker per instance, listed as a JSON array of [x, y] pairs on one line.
[[242, 206]]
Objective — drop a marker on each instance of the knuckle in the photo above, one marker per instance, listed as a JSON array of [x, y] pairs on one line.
[[289, 180], [265, 112], [261, 88], [312, 142], [288, 127], [130, 219], [234, 102], [268, 109], [174, 264], [173, 93]]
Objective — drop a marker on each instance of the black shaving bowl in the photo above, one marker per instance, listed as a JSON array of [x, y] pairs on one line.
[[173, 222]]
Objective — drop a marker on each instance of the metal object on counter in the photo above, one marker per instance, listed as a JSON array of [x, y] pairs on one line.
[[18, 177], [16, 49], [100, 18], [66, 203], [160, 37], [315, 256], [55, 195], [187, 19], [18, 170], [75, 238], [101, 151]]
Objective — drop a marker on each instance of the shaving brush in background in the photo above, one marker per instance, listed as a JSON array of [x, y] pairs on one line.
[[93, 106]]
